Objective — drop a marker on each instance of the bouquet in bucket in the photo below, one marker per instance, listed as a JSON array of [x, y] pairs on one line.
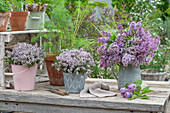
[[74, 61], [25, 54], [133, 45]]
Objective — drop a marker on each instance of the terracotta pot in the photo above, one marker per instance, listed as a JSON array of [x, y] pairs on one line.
[[18, 20], [4, 19], [56, 77]]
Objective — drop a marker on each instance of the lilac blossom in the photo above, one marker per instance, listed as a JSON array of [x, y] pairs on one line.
[[140, 32], [106, 33], [103, 39], [132, 26], [132, 87], [133, 46], [138, 24], [128, 94]]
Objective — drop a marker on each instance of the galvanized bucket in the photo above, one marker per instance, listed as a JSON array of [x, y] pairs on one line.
[[74, 83], [35, 21]]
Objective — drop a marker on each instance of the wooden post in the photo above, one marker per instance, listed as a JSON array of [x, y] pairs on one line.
[[2, 53]]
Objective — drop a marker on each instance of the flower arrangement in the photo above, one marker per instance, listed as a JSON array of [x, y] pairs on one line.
[[74, 61], [135, 90], [25, 54], [133, 45]]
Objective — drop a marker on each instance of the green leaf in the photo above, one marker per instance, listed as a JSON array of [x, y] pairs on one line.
[[134, 96], [139, 82], [147, 91], [113, 37], [50, 44], [146, 88], [136, 93], [139, 88], [129, 98], [144, 97], [126, 85]]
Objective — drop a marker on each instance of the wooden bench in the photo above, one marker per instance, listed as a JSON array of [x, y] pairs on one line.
[[41, 100]]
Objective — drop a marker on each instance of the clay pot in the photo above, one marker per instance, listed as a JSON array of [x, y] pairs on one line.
[[18, 20], [4, 19], [56, 77]]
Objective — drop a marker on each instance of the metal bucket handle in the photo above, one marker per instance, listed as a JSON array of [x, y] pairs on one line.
[[11, 74], [35, 18]]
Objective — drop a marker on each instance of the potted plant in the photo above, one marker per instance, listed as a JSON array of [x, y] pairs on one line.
[[74, 64], [4, 15], [130, 48], [59, 37], [18, 16], [24, 59], [36, 17], [156, 70]]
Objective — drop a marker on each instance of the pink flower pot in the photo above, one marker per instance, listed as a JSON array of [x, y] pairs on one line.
[[23, 77]]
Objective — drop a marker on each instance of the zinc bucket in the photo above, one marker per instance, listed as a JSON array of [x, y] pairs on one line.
[[35, 21]]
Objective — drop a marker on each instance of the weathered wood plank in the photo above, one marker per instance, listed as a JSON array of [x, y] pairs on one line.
[[43, 108], [156, 102]]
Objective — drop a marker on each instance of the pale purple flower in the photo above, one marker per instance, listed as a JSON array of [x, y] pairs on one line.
[[140, 32], [26, 54], [132, 87], [102, 48], [106, 33], [103, 39], [74, 61], [128, 94], [127, 48], [138, 24], [132, 26]]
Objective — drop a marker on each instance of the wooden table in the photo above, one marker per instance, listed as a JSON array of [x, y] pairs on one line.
[[42, 101], [7, 37]]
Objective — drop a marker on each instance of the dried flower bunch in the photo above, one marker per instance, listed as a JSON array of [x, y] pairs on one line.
[[74, 61], [25, 54], [36, 8], [133, 46]]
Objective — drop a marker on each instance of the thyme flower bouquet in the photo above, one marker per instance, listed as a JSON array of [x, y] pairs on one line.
[[133, 45], [74, 61], [25, 54]]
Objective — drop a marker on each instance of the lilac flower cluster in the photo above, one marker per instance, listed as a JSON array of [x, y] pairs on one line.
[[128, 92], [25, 54], [74, 61], [133, 46]]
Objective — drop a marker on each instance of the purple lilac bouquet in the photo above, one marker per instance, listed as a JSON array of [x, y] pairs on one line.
[[133, 46], [74, 61], [25, 54], [135, 90]]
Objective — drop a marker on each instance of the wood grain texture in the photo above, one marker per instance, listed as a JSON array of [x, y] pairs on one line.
[[42, 97]]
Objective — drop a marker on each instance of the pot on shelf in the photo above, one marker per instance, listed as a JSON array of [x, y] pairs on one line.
[[127, 74], [35, 20], [56, 77], [4, 20], [18, 20]]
